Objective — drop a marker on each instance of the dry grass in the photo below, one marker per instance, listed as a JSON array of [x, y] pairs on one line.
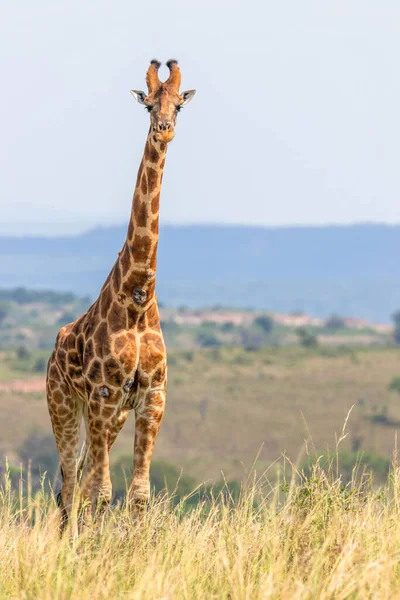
[[312, 538]]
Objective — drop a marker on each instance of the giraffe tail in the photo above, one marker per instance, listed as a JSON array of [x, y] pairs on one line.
[[82, 459], [58, 497]]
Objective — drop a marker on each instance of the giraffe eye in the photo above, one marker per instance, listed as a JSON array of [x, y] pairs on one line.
[[149, 108], [178, 108]]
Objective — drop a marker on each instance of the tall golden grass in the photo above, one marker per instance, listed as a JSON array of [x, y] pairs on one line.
[[311, 537]]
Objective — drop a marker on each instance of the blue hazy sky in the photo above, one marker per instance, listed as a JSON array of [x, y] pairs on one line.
[[296, 117]]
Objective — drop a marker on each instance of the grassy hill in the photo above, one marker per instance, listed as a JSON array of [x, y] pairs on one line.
[[226, 406]]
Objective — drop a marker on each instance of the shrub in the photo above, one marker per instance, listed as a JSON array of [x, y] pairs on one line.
[[23, 353], [394, 385], [396, 319], [4, 310], [169, 326], [264, 322], [251, 340], [306, 339], [335, 322], [207, 339], [227, 327], [40, 365]]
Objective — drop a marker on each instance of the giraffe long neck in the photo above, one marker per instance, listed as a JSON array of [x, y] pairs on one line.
[[133, 275], [142, 236]]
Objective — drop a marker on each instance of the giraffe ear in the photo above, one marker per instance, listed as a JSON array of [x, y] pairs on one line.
[[187, 96], [139, 96]]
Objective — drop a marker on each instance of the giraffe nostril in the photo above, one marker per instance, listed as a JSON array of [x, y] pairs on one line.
[[164, 126]]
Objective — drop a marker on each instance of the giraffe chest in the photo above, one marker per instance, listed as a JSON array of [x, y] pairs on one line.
[[134, 363], [110, 364]]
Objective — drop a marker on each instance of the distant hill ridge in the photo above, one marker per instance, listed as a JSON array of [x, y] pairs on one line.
[[353, 269]]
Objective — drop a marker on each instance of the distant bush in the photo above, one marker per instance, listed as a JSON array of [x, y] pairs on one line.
[[396, 319], [335, 323], [306, 339], [169, 326], [207, 339], [21, 295], [227, 327], [23, 353], [394, 385], [4, 310], [380, 415], [40, 365], [251, 340], [264, 322]]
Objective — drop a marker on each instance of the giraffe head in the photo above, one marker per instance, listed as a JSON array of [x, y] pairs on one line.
[[164, 100]]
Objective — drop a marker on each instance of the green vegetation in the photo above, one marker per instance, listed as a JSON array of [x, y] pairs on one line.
[[23, 362], [394, 385], [396, 319], [306, 339], [335, 323], [32, 318], [265, 323], [21, 295]]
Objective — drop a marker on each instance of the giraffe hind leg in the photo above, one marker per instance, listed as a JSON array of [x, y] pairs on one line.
[[65, 414]]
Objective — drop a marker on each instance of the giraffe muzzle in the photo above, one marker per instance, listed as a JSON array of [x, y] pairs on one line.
[[165, 131]]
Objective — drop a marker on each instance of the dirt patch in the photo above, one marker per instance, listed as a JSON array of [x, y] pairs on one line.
[[26, 386]]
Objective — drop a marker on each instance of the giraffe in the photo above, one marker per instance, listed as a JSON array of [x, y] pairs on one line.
[[112, 359]]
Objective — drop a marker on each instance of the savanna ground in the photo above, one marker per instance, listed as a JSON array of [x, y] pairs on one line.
[[286, 524], [227, 406]]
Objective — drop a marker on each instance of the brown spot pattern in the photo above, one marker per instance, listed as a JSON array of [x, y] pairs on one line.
[[125, 259], [141, 215], [141, 247], [152, 178], [143, 185], [155, 204], [105, 302], [101, 340], [153, 154]]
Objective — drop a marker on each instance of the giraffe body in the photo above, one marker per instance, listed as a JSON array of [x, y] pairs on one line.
[[113, 358]]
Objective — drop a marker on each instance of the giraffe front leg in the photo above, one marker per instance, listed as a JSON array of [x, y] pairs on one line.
[[103, 427], [148, 419]]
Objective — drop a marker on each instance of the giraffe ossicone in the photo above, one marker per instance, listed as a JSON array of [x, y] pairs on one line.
[[113, 358]]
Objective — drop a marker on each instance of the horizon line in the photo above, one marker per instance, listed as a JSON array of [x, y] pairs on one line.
[[197, 224]]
